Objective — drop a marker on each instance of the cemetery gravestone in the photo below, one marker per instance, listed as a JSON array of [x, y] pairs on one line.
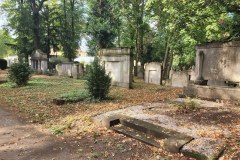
[[153, 73], [217, 71], [118, 62]]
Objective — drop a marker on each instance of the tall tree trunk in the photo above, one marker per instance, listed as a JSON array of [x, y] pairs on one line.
[[36, 21], [165, 62], [36, 29], [141, 34]]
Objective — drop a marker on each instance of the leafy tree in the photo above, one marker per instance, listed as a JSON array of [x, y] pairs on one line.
[[20, 23], [5, 44], [70, 21], [101, 26]]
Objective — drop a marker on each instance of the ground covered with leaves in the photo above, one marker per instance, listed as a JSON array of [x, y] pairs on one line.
[[35, 103]]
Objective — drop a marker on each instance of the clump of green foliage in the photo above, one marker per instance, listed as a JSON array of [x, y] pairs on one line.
[[98, 81], [187, 106], [75, 96], [20, 73]]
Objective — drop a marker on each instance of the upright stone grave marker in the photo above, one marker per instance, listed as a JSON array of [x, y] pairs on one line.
[[119, 63], [153, 73]]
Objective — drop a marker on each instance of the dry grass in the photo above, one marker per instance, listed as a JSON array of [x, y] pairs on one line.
[[35, 101]]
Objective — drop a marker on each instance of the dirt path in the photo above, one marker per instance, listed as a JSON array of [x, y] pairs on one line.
[[22, 141]]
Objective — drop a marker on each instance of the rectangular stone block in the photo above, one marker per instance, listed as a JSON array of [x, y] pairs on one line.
[[203, 149], [118, 62], [179, 79], [153, 73], [212, 92]]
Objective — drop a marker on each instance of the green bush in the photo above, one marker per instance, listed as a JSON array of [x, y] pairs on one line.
[[3, 64], [75, 96], [19, 73], [98, 82]]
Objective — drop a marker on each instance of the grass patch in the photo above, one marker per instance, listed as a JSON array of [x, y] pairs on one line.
[[75, 96]]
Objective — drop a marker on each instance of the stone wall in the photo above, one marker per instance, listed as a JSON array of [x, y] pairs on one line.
[[70, 69], [221, 61], [119, 63], [153, 73]]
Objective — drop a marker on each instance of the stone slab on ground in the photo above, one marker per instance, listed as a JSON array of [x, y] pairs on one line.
[[171, 140], [203, 149], [146, 138], [154, 113]]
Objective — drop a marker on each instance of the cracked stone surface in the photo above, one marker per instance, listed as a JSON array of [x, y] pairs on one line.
[[203, 149]]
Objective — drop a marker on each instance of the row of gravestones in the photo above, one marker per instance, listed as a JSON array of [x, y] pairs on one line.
[[217, 64]]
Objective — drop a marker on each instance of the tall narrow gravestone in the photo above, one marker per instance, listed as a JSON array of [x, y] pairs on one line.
[[118, 62], [217, 71]]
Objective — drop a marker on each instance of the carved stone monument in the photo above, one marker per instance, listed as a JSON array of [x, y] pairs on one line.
[[119, 63], [217, 71], [39, 62]]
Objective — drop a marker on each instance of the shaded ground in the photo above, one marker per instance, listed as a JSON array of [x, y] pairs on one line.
[[22, 141]]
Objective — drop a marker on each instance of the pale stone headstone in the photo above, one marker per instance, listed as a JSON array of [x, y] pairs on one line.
[[153, 73], [70, 69], [119, 63], [179, 78]]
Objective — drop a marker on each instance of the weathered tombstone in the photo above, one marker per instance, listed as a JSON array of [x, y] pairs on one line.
[[119, 63], [70, 69], [77, 70], [217, 71], [153, 73], [179, 78], [219, 61], [39, 62]]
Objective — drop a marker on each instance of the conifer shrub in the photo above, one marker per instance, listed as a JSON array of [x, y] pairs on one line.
[[98, 81], [19, 73], [3, 64]]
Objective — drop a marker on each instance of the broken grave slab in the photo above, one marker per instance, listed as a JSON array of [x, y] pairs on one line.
[[107, 120], [203, 149], [169, 139]]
